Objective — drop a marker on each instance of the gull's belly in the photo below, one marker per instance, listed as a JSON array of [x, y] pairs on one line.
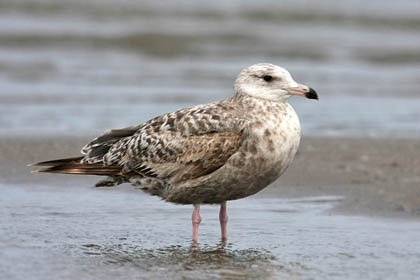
[[263, 157]]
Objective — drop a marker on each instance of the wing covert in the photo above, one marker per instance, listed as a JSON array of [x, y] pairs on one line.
[[181, 145]]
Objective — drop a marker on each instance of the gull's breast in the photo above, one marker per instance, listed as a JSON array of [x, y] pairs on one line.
[[276, 139]]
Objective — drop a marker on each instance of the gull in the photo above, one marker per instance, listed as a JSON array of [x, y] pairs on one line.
[[207, 154]]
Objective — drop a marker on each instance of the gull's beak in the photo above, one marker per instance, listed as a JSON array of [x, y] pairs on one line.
[[303, 90]]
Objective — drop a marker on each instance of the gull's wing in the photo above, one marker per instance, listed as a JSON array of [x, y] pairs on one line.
[[185, 144], [98, 147]]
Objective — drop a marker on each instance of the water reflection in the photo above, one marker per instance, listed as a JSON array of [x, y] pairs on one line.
[[203, 260]]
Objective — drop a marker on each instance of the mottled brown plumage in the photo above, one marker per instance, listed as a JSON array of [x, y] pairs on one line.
[[205, 154]]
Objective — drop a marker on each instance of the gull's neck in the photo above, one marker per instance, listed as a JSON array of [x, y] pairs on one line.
[[244, 99], [254, 108]]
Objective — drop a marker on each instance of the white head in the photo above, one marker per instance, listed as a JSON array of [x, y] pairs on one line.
[[270, 82]]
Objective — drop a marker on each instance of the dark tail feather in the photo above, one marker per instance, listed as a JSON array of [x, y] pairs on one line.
[[74, 166], [56, 162]]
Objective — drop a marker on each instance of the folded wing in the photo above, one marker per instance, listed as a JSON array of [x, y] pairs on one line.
[[178, 146]]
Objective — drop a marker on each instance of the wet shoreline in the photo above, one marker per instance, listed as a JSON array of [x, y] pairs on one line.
[[51, 232], [374, 179], [346, 208]]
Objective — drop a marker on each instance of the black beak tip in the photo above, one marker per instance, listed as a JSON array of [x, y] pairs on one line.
[[311, 94]]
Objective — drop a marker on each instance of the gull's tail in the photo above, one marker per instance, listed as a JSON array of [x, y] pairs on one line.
[[75, 166]]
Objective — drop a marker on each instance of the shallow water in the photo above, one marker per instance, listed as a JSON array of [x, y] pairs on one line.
[[51, 232], [79, 67], [330, 117]]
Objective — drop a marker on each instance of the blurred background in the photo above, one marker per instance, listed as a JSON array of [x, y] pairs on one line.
[[79, 67], [347, 208]]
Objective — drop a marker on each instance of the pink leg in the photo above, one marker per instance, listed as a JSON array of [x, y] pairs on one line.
[[196, 220], [223, 217]]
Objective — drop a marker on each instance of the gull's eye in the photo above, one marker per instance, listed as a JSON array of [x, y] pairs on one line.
[[267, 78]]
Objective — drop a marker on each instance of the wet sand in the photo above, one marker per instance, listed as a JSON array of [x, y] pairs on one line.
[[376, 177], [346, 209], [50, 232]]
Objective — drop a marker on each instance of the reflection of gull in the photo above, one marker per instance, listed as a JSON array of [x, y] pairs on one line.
[[205, 154]]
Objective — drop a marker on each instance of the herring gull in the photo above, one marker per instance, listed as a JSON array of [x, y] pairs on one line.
[[207, 154]]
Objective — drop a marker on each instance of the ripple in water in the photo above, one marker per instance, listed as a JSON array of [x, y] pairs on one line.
[[199, 262]]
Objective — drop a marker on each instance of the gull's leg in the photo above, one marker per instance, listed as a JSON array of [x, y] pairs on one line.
[[196, 220], [223, 217]]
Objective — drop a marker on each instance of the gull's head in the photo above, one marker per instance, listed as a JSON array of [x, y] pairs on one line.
[[270, 82]]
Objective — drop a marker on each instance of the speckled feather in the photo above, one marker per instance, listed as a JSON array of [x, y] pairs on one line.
[[168, 154], [205, 154], [196, 138]]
